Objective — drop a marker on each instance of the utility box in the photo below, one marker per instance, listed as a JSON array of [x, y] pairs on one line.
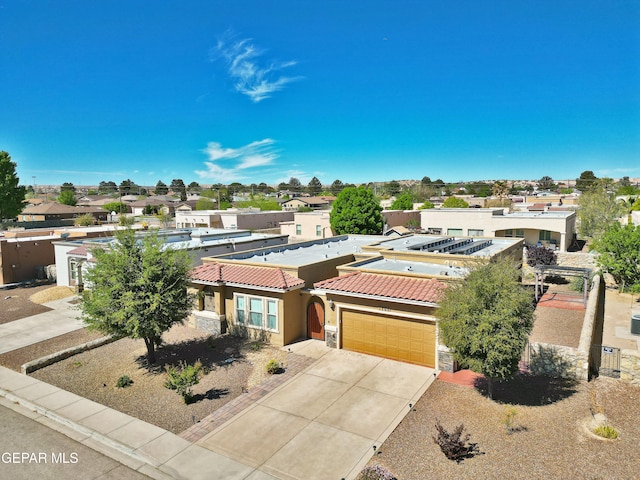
[[635, 324]]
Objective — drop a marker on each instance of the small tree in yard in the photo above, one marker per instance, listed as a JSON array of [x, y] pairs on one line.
[[182, 378], [486, 320], [137, 289], [619, 255]]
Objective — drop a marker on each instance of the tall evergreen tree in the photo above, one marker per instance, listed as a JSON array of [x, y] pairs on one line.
[[11, 193]]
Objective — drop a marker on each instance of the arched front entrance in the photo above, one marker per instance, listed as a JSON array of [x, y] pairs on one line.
[[315, 321]]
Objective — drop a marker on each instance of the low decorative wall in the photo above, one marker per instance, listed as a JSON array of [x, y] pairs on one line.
[[567, 362], [630, 366]]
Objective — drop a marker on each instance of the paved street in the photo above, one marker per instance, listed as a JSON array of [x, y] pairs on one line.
[[30, 448]]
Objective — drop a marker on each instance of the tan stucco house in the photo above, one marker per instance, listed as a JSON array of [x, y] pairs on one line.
[[368, 294]]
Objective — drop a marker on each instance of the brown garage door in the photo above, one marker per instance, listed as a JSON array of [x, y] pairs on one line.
[[397, 338]]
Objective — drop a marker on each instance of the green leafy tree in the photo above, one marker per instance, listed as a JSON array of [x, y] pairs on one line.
[[403, 202], [138, 289], [117, 207], [546, 183], [67, 197], [598, 211], [455, 202], [619, 254], [314, 187], [161, 188], [194, 187], [11, 193], [486, 320], [128, 187], [205, 203], [105, 188], [178, 186], [586, 181], [356, 211]]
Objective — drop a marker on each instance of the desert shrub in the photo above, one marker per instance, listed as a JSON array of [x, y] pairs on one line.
[[455, 445], [606, 431], [508, 419], [539, 255], [182, 378], [376, 472], [126, 220], [124, 381], [273, 367], [85, 220]]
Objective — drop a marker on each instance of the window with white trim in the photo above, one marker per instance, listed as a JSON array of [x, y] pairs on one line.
[[298, 229], [318, 230], [454, 231], [256, 312], [475, 232]]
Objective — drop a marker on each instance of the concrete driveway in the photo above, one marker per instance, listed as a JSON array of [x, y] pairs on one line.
[[325, 422]]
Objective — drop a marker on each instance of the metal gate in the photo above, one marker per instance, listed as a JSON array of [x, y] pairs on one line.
[[604, 360]]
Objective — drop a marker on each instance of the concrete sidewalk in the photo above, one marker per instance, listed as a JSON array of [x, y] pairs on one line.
[[63, 318], [322, 423], [618, 308]]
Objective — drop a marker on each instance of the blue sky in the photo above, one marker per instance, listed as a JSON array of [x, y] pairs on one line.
[[260, 91]]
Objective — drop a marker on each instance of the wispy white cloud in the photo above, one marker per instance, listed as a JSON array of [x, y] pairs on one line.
[[253, 76], [255, 154]]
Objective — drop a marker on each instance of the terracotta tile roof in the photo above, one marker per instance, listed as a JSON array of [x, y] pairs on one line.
[[264, 277], [80, 251], [387, 286]]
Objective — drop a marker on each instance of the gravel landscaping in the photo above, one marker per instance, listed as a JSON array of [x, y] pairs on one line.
[[15, 303], [549, 437], [233, 365]]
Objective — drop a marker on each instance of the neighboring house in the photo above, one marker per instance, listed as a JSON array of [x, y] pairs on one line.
[[314, 225], [58, 211], [314, 203], [25, 253], [93, 200], [70, 255], [363, 293], [232, 219], [554, 229], [186, 206], [307, 226], [137, 207]]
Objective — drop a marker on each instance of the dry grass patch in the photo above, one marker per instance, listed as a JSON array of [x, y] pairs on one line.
[[51, 294]]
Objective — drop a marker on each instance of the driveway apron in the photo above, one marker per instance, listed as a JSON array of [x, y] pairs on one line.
[[325, 422]]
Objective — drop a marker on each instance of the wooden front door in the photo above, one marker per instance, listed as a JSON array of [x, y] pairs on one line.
[[315, 321]]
